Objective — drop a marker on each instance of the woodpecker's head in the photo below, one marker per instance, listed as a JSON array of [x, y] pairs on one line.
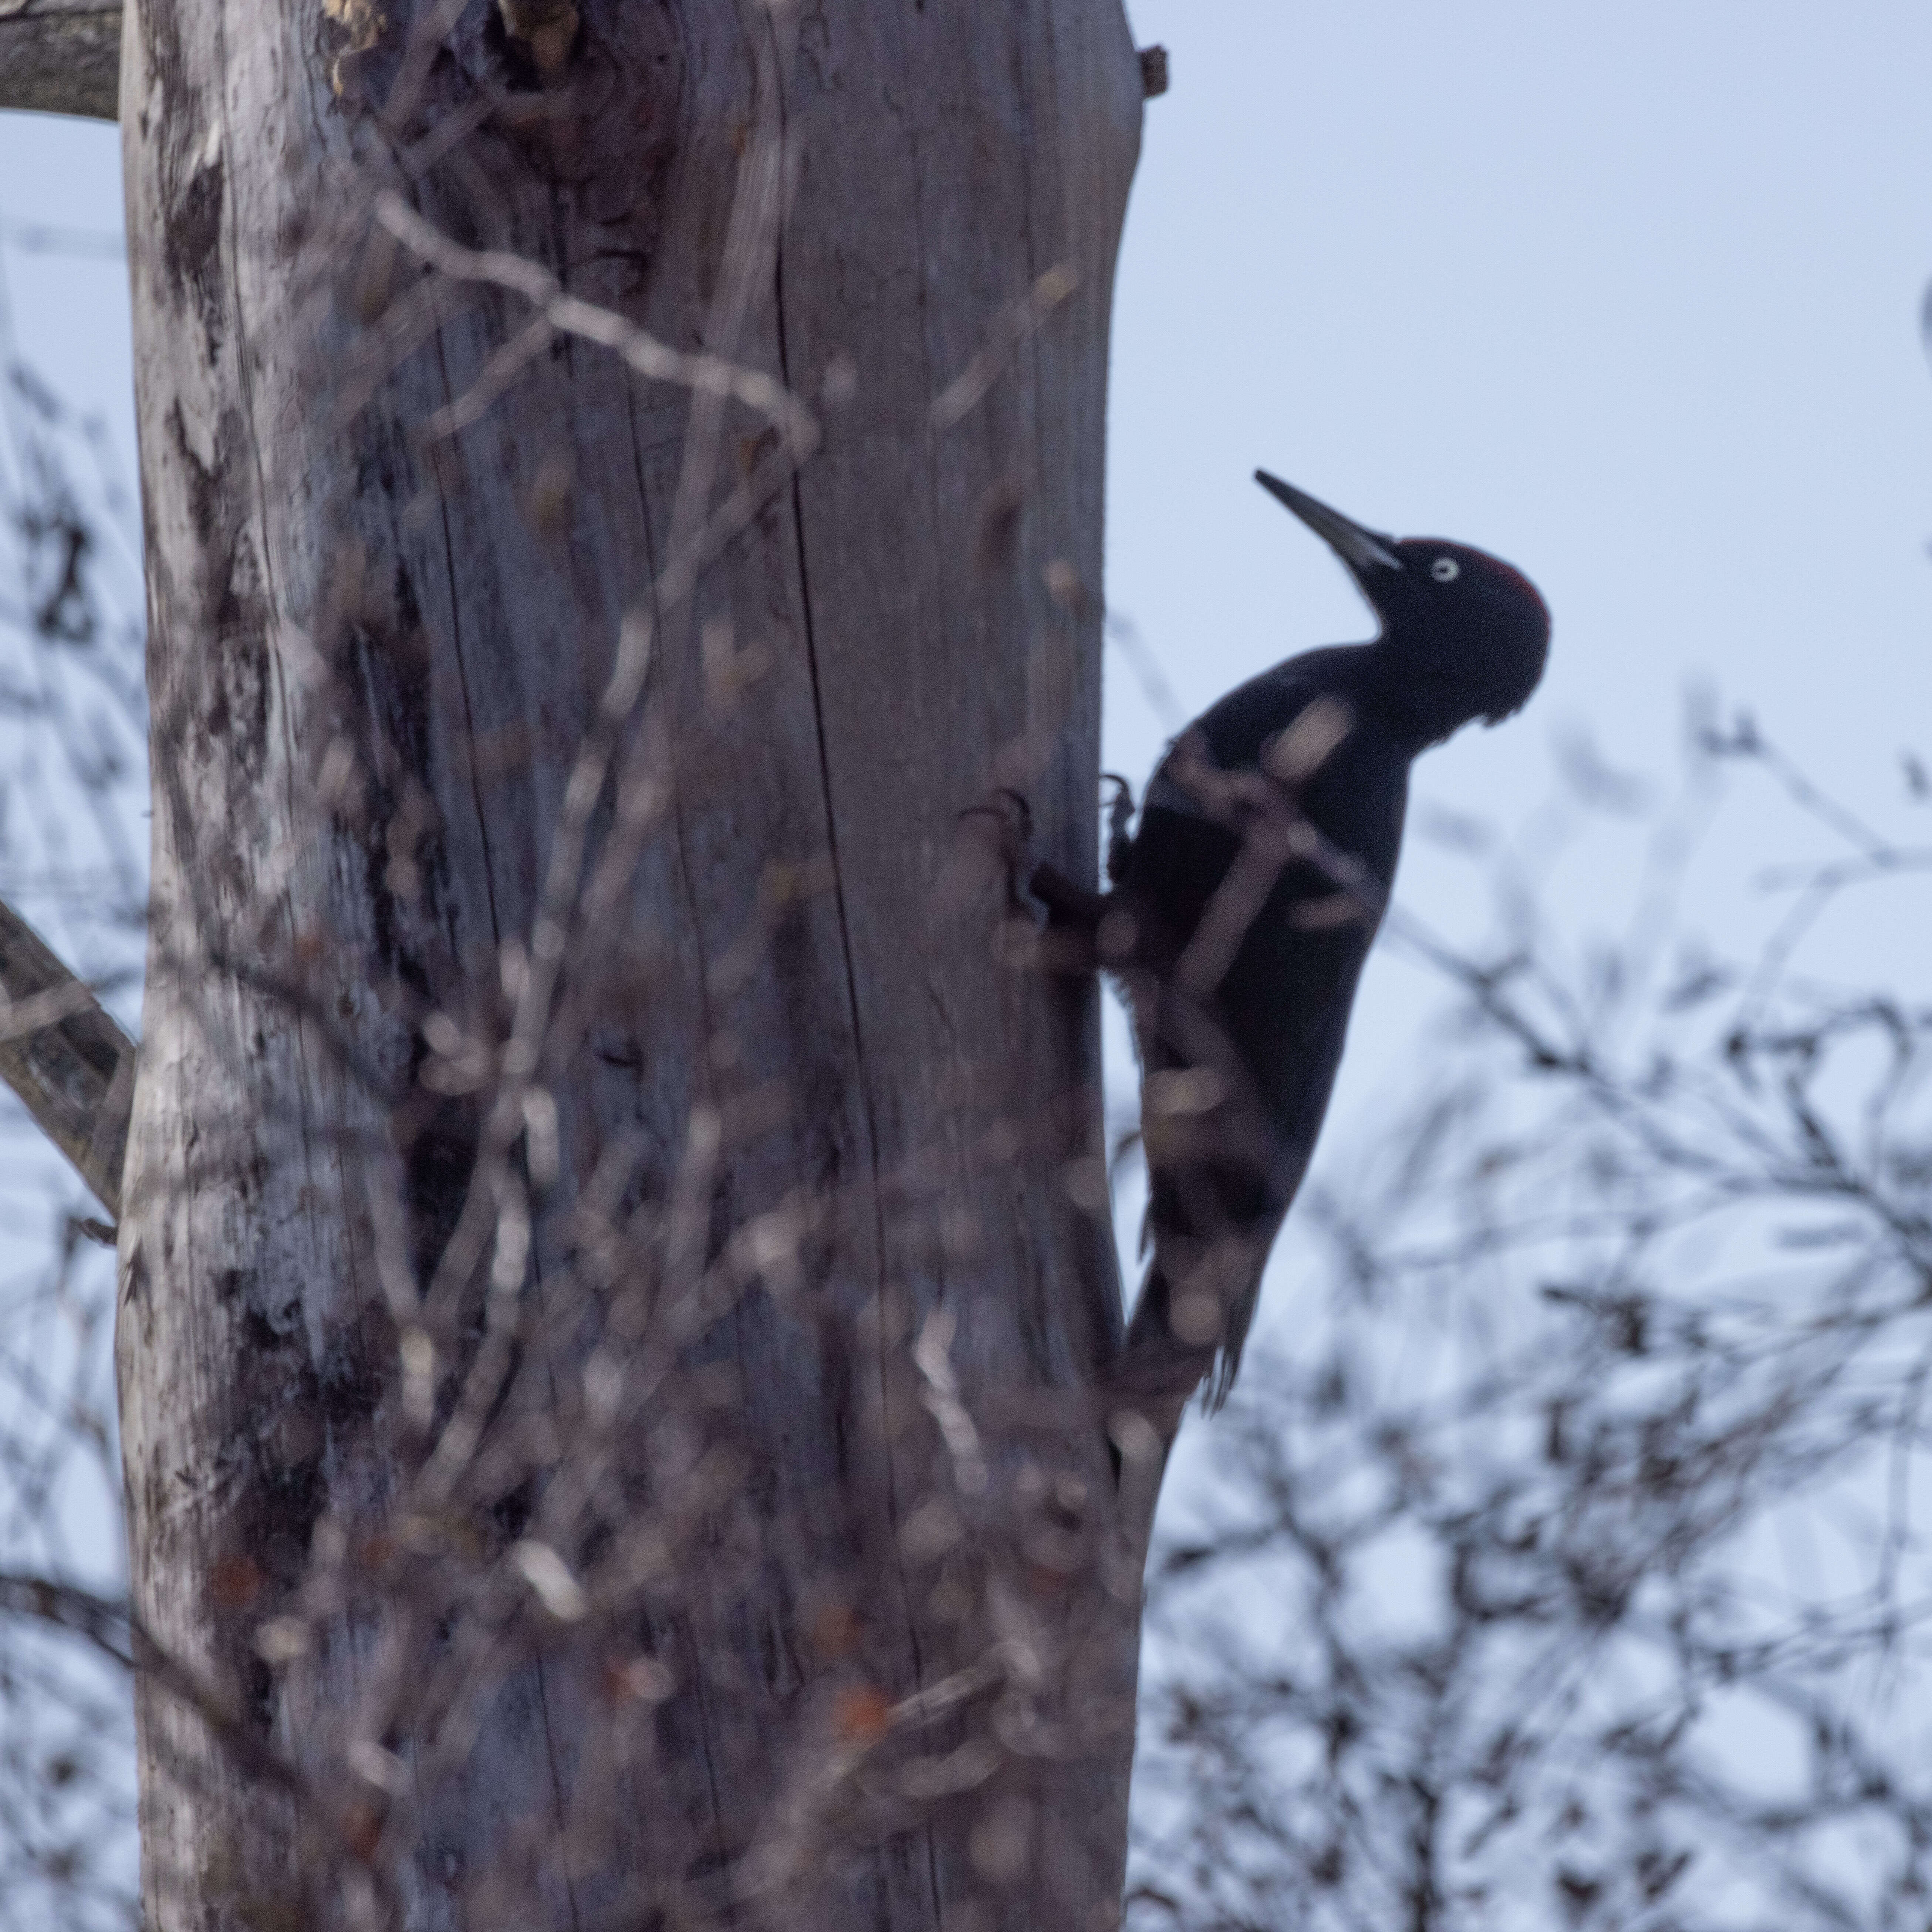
[[1465, 633]]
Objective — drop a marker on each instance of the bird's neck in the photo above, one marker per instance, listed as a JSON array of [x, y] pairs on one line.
[[1405, 684]]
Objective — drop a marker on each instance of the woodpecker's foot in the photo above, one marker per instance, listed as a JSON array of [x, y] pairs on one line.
[[1076, 908]]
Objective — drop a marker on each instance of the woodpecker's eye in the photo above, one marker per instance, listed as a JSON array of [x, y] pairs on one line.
[[1445, 570]]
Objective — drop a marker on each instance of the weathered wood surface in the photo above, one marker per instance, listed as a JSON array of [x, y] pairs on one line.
[[922, 604], [61, 57], [62, 1053]]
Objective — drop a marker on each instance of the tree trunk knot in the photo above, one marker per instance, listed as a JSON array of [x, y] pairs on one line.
[[548, 28]]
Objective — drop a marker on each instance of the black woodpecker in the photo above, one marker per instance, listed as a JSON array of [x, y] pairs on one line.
[[1243, 904]]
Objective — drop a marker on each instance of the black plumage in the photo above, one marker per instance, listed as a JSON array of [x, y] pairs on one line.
[[1245, 902]]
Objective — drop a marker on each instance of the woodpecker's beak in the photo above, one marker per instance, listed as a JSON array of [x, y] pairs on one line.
[[1358, 548]]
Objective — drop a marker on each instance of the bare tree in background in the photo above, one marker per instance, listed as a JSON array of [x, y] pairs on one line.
[[616, 1275], [72, 767], [1570, 1568]]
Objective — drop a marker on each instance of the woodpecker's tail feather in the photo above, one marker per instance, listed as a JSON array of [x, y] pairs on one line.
[[1241, 1307], [1156, 1373], [1181, 1337], [1219, 1182]]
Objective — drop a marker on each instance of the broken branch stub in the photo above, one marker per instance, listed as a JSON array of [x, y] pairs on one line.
[[61, 57], [63, 1053]]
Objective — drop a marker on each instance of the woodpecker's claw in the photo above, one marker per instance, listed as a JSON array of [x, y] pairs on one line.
[[1120, 816], [1009, 833]]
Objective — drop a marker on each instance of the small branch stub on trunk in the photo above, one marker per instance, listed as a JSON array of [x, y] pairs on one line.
[[547, 28], [61, 1052], [1154, 71]]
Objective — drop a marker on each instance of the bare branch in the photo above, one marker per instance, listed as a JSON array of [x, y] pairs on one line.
[[62, 1053], [571, 315]]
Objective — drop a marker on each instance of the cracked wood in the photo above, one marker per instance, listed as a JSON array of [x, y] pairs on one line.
[[396, 529]]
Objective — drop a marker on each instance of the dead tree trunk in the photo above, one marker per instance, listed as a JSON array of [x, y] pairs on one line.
[[611, 1263]]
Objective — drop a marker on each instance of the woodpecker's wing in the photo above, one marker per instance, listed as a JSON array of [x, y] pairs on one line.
[[1236, 1076]]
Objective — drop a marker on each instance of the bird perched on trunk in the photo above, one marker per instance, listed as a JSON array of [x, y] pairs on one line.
[[1244, 905]]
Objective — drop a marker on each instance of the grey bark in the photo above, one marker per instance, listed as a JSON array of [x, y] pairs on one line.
[[61, 57], [381, 618], [62, 1053]]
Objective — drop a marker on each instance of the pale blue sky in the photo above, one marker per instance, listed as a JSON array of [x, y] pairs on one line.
[[1629, 295]]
